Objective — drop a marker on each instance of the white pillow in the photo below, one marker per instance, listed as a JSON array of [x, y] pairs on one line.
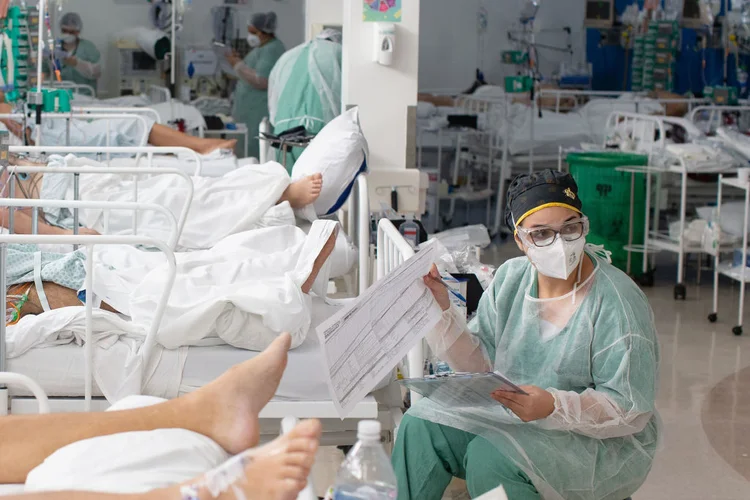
[[131, 462], [339, 152]]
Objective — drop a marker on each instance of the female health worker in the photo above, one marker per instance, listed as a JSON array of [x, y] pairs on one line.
[[577, 335], [251, 97], [79, 57]]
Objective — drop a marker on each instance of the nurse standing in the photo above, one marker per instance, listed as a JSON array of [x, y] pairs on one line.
[[251, 97], [80, 58]]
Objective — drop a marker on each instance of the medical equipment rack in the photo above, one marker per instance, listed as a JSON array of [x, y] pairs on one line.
[[729, 270], [643, 130]]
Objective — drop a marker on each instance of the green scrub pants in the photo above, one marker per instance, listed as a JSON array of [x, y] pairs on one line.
[[428, 455]]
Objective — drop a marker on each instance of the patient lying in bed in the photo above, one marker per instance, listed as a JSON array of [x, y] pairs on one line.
[[126, 132], [244, 292], [250, 197]]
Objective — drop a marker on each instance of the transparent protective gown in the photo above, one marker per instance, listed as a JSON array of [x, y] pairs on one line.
[[305, 88], [595, 350]]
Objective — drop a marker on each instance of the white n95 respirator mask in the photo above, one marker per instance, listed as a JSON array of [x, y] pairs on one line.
[[69, 39], [559, 259], [253, 40]]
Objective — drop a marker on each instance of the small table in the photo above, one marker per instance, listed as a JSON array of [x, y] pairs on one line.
[[241, 131]]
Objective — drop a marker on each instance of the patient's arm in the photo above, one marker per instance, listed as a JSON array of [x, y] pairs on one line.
[[22, 224], [58, 296]]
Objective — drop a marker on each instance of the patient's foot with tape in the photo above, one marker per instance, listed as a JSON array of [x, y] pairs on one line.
[[211, 145], [320, 261], [302, 192], [230, 404], [276, 471]]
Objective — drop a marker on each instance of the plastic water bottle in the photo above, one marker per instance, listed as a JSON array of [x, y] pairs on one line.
[[366, 473]]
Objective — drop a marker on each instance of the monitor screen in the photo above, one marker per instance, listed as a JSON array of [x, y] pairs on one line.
[[143, 62], [598, 9], [691, 9]]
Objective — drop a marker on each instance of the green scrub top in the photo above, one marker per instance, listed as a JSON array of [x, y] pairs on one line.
[[251, 104], [86, 51]]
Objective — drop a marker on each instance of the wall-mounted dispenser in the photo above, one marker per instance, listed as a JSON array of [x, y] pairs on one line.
[[385, 43]]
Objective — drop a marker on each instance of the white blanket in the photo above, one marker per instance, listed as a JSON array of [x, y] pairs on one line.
[[241, 200], [118, 368], [243, 291]]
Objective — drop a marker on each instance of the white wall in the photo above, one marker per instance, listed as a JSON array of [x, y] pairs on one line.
[[383, 93], [326, 12], [449, 46], [103, 19]]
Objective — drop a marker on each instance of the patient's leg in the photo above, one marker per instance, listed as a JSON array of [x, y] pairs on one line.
[[276, 471], [164, 136], [304, 191], [226, 410]]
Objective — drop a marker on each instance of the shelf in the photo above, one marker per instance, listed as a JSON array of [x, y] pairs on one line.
[[734, 272], [735, 183]]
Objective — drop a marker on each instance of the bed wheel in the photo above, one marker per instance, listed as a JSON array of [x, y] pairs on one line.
[[646, 280], [712, 317], [680, 292], [737, 330]]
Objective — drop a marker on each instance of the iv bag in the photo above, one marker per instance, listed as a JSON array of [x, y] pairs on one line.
[[529, 10]]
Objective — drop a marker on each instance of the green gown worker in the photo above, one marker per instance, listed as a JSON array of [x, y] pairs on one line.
[[304, 88], [79, 57], [577, 335], [251, 96]]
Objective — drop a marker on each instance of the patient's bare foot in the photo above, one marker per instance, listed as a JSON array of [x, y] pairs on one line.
[[304, 191], [279, 470], [210, 145], [319, 261], [230, 405]]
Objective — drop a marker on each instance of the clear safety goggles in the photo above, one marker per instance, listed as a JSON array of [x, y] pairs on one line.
[[544, 236]]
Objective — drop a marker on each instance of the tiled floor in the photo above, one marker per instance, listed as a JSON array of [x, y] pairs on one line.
[[704, 397]]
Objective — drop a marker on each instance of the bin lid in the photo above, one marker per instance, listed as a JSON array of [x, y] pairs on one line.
[[606, 159]]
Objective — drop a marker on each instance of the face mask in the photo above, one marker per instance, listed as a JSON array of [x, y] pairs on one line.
[[69, 39], [559, 259], [253, 40]]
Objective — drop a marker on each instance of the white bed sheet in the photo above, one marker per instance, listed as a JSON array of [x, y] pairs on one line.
[[209, 167], [60, 369], [11, 489]]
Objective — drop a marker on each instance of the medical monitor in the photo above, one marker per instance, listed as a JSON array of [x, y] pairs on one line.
[[599, 14]]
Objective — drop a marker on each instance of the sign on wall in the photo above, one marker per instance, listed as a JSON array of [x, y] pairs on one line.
[[381, 11]]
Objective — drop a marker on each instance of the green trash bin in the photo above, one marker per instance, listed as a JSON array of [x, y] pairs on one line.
[[605, 194]]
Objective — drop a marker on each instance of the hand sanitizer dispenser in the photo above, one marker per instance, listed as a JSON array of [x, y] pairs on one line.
[[385, 43]]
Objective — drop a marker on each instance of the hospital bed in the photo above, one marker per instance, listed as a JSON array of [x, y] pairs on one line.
[[514, 138], [647, 134], [64, 369]]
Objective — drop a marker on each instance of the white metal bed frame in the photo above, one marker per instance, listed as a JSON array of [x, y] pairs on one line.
[[393, 250], [648, 132], [500, 144]]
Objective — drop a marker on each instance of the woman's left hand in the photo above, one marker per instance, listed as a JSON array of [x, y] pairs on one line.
[[71, 61], [538, 404], [233, 59]]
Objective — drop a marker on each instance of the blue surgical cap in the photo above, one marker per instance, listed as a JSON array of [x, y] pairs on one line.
[[265, 22]]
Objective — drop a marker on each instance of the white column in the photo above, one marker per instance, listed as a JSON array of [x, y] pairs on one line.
[[383, 93], [323, 12]]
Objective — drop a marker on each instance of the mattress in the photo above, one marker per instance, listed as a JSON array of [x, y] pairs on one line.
[[60, 369]]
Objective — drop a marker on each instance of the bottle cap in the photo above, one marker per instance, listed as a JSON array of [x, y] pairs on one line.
[[368, 430]]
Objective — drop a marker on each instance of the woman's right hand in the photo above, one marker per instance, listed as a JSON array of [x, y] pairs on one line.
[[439, 291]]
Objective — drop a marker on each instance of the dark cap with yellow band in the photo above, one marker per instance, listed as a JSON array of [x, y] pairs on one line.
[[529, 193]]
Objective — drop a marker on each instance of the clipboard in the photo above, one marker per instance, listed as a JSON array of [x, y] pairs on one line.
[[461, 390]]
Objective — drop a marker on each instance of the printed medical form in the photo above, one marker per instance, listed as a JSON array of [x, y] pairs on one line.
[[364, 341]]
